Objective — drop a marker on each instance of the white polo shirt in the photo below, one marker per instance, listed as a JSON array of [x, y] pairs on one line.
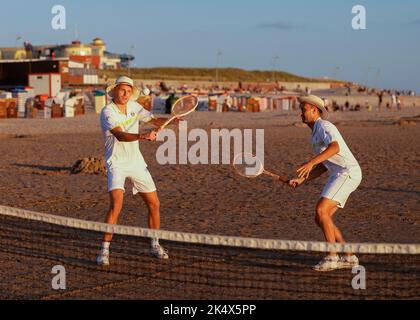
[[123, 154], [343, 162]]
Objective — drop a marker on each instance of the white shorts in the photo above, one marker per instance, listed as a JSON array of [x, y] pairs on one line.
[[141, 178], [340, 186]]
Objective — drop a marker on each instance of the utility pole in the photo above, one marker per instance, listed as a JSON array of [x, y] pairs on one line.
[[76, 31], [334, 74], [131, 52], [377, 77], [219, 54], [275, 59], [18, 37], [367, 77]]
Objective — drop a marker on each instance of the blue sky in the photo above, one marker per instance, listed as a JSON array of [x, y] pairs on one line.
[[311, 38]]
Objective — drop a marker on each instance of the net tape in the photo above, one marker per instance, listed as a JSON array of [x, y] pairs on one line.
[[215, 240]]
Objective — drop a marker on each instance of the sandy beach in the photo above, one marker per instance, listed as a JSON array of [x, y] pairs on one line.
[[37, 156]]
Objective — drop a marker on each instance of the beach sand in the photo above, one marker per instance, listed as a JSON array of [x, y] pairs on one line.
[[37, 156]]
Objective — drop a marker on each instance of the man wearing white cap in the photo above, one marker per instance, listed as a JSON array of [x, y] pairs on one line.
[[345, 175], [120, 127]]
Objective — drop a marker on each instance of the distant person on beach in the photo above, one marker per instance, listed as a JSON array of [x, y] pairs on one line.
[[348, 90], [398, 103], [393, 100], [227, 102], [169, 103], [345, 175], [368, 106], [347, 106], [120, 127], [380, 99]]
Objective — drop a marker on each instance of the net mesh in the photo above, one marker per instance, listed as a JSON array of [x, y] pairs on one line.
[[184, 105], [200, 266]]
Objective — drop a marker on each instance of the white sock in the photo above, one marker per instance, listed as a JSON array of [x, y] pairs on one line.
[[155, 242], [105, 246]]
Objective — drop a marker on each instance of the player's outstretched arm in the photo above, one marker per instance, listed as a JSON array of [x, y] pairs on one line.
[[158, 122], [130, 137], [319, 170]]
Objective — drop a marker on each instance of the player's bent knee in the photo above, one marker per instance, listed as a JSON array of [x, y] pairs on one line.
[[322, 213], [154, 206]]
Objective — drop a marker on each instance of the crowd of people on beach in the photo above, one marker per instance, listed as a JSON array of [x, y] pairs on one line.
[[161, 87], [391, 100], [396, 102]]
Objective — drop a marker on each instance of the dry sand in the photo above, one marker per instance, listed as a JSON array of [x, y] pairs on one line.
[[36, 157]]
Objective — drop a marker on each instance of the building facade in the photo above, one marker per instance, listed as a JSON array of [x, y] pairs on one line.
[[93, 55]]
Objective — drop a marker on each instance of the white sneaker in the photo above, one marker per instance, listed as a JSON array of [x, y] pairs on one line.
[[103, 258], [328, 263], [159, 252], [348, 262]]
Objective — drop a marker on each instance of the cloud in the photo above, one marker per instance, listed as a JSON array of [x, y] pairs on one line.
[[279, 25], [416, 22]]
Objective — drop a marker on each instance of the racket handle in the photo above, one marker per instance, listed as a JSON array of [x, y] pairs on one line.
[[277, 177], [163, 126]]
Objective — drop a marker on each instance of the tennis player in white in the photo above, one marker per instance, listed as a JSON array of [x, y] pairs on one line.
[[345, 175], [120, 127]]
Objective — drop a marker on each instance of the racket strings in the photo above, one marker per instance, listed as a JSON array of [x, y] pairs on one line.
[[248, 165], [184, 105]]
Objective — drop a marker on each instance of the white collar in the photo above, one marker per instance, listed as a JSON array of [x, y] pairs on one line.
[[115, 107]]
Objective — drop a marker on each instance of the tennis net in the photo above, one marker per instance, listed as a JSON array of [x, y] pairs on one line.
[[200, 266]]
